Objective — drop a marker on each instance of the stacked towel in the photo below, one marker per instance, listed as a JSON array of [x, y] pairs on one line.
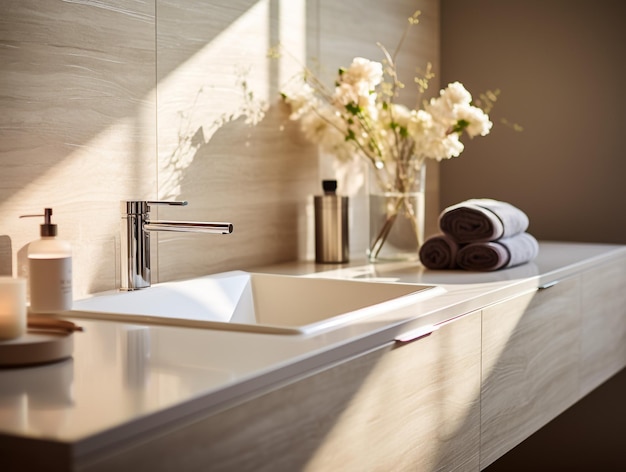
[[439, 252], [482, 235], [482, 219], [494, 255]]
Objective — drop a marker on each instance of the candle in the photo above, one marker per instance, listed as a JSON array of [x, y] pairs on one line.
[[12, 307]]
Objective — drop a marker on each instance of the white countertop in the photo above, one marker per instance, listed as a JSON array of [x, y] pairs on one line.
[[125, 379]]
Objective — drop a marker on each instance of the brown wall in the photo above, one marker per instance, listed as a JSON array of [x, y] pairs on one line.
[[560, 67]]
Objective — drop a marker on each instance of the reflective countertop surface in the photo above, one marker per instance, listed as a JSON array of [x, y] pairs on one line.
[[126, 378]]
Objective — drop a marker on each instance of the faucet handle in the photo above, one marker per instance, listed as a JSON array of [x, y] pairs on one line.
[[164, 202], [141, 207]]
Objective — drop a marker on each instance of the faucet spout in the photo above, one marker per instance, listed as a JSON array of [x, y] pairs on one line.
[[189, 226], [135, 239]]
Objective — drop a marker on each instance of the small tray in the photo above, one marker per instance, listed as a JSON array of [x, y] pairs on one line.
[[36, 347]]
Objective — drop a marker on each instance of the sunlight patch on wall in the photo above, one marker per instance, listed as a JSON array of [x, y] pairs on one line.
[[292, 35], [224, 81], [230, 78], [122, 154]]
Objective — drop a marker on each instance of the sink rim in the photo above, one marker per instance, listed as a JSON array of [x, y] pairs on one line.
[[416, 293]]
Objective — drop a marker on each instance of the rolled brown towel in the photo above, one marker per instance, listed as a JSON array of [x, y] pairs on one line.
[[439, 252], [482, 219], [500, 254]]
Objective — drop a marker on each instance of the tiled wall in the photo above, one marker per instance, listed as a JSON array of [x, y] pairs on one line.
[[104, 101]]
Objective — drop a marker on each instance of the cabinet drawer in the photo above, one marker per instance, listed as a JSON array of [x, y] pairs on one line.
[[529, 365], [603, 344], [411, 406]]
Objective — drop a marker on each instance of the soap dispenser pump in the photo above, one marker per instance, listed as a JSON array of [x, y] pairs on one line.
[[49, 269]]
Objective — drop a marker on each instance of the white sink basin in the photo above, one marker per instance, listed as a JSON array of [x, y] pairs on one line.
[[246, 301]]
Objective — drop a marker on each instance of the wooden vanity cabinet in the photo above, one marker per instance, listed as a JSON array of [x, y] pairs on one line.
[[457, 399], [603, 331], [529, 364], [410, 406], [545, 350]]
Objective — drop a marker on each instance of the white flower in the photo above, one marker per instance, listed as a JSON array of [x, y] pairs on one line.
[[401, 114], [478, 121], [363, 71], [326, 127], [301, 101], [317, 124], [456, 94], [445, 107], [359, 117], [445, 147], [420, 125], [346, 94]]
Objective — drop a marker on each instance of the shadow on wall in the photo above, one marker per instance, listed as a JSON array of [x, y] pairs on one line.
[[224, 140], [195, 130], [81, 124], [252, 174]]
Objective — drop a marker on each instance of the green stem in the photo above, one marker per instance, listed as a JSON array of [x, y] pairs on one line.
[[404, 177], [412, 217], [384, 231]]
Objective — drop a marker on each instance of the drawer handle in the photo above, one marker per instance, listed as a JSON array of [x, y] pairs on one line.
[[548, 285], [415, 334]]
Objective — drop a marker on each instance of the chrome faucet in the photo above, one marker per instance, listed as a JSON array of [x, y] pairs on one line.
[[135, 239]]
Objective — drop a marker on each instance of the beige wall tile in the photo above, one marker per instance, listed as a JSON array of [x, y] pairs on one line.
[[97, 109], [221, 142], [77, 124]]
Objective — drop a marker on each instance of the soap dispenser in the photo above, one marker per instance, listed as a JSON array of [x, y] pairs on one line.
[[331, 225], [50, 270]]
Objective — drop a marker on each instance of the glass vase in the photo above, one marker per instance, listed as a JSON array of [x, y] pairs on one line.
[[396, 214]]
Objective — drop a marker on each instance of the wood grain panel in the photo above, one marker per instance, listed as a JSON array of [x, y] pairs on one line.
[[603, 343], [413, 407], [529, 365], [77, 126]]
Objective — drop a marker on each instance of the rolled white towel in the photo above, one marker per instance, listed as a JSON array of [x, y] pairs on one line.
[[439, 252], [500, 254], [482, 219]]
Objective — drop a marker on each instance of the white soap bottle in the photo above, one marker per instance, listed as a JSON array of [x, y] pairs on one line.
[[50, 270]]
